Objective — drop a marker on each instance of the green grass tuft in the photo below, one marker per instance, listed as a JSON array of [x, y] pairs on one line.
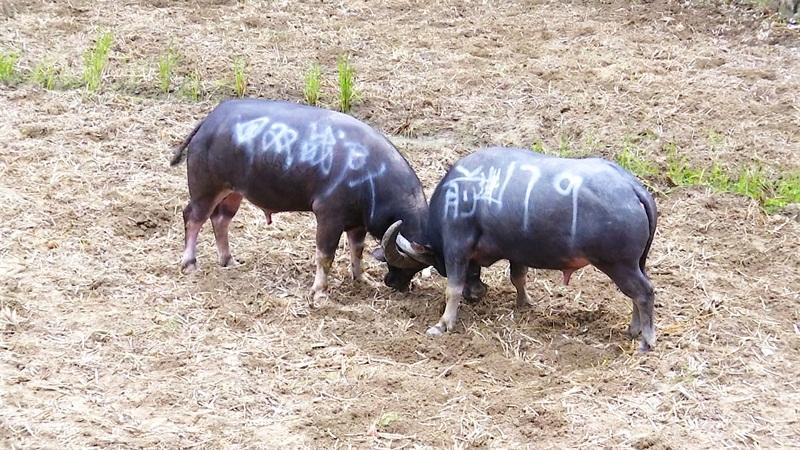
[[679, 172], [239, 77], [45, 75], [8, 63], [95, 61], [717, 178], [564, 150], [193, 86], [347, 91], [630, 159], [313, 84], [753, 183], [786, 191], [166, 67]]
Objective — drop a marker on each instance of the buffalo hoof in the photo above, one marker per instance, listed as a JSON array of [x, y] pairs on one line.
[[319, 299], [230, 262], [434, 331], [525, 304], [648, 339], [474, 292], [367, 280]]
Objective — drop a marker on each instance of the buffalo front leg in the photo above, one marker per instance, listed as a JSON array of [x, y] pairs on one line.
[[355, 241], [518, 274], [328, 236], [221, 220], [456, 277]]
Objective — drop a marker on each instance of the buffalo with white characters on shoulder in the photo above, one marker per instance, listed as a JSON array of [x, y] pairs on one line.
[[284, 156]]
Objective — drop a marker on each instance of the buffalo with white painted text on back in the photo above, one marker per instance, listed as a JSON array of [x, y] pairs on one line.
[[535, 211], [284, 156]]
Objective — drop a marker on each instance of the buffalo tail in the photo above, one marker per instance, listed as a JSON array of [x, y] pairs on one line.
[[650, 209], [180, 153]]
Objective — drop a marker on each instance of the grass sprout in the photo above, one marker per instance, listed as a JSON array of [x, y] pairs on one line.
[[313, 83], [166, 68], [347, 77], [8, 64], [239, 77], [95, 61]]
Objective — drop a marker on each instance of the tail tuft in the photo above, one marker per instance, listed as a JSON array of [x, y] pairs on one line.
[[180, 153]]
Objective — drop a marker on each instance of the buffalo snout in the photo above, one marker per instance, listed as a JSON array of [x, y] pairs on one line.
[[399, 279]]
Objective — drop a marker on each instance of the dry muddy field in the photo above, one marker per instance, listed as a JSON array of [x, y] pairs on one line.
[[104, 343]]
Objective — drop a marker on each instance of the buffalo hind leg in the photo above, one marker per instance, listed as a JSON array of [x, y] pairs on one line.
[[633, 283], [456, 277], [635, 327], [518, 274], [328, 235], [221, 220], [355, 241], [194, 216]]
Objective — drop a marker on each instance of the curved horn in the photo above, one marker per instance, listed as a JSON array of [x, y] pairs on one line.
[[403, 258], [409, 249]]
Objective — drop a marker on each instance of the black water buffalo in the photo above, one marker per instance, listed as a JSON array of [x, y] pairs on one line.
[[535, 211], [288, 157]]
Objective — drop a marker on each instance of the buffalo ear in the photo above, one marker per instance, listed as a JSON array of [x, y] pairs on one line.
[[421, 249], [399, 252], [378, 254]]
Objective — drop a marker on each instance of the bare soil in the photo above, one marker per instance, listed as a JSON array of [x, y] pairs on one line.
[[104, 343]]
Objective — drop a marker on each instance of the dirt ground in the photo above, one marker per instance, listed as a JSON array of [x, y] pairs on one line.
[[104, 343]]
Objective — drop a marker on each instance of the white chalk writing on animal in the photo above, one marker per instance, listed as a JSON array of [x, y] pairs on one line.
[[316, 149], [279, 138], [317, 146], [276, 137], [369, 178], [464, 193], [536, 173], [245, 133], [355, 160], [573, 183], [356, 155]]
